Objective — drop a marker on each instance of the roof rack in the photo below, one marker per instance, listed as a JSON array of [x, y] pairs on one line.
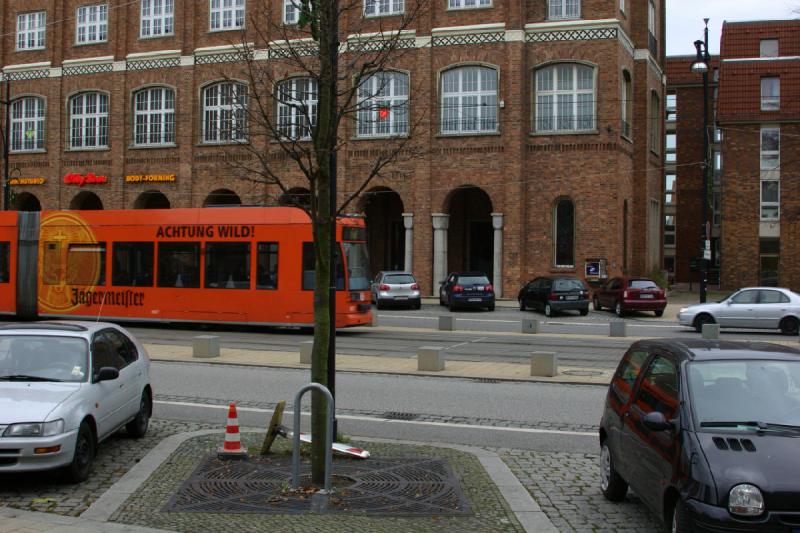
[[51, 326]]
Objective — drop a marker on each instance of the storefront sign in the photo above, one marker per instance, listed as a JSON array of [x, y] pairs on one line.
[[596, 269], [27, 181], [150, 178], [80, 180]]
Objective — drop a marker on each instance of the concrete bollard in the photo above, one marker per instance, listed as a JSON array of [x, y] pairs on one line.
[[544, 364], [430, 359], [530, 325], [374, 318], [447, 323], [617, 328], [711, 331], [305, 352], [205, 346]]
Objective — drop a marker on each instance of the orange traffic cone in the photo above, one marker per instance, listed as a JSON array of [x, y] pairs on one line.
[[232, 448]]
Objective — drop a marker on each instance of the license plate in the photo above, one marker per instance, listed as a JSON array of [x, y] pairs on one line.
[[401, 297], [475, 300], [572, 297], [646, 296], [479, 288]]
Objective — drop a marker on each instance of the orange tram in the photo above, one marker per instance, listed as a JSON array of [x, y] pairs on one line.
[[243, 265]]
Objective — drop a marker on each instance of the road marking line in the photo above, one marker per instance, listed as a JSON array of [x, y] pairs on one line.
[[546, 323], [378, 419]]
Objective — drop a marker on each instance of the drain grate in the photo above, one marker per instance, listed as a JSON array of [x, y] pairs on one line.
[[389, 486], [397, 415], [487, 380], [582, 372]]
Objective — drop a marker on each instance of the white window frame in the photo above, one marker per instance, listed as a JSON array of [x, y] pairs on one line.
[[468, 4], [291, 12], [770, 176], [551, 101], [563, 9], [763, 51], [27, 124], [770, 102], [470, 100], [388, 92], [89, 121], [154, 117], [157, 18], [225, 15], [91, 24], [297, 100], [622, 5], [224, 113], [651, 17], [383, 8], [31, 30]]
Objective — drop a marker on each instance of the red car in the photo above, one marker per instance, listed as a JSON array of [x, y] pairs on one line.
[[630, 294]]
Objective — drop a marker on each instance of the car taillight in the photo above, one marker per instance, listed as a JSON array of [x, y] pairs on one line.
[[384, 287], [415, 287], [488, 288], [458, 288], [553, 297]]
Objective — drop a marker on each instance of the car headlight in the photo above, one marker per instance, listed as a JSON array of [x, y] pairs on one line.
[[683, 310], [746, 500], [35, 429]]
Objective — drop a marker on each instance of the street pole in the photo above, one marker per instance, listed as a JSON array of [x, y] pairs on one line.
[[6, 139], [705, 232], [334, 244]]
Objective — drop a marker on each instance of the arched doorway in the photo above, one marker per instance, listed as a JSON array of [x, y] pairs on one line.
[[383, 209], [296, 197], [25, 201], [86, 201], [151, 200], [470, 238], [222, 197]]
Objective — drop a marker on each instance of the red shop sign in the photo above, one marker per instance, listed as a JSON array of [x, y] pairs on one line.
[[81, 180]]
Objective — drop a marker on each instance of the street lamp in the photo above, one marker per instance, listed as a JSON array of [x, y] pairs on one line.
[[702, 65]]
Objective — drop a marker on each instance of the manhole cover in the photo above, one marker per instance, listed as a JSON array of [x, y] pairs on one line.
[[582, 372], [395, 486], [396, 415]]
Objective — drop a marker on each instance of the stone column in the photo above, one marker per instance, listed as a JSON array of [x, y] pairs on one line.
[[497, 282], [408, 223], [440, 224]]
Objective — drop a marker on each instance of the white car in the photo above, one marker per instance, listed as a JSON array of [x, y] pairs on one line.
[[752, 307], [64, 387]]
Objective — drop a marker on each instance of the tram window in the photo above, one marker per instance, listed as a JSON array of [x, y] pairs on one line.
[[228, 265], [267, 266], [179, 264], [309, 268], [5, 250], [86, 264], [51, 263], [132, 264]]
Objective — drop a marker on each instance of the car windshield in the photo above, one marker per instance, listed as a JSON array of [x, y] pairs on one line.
[[43, 358], [399, 279], [745, 391], [642, 284], [355, 254], [473, 280], [568, 285]]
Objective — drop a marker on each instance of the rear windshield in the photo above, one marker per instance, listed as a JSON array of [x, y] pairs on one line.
[[473, 280], [398, 279], [642, 284], [568, 285]]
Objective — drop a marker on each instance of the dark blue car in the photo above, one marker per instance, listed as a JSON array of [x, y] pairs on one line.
[[467, 289]]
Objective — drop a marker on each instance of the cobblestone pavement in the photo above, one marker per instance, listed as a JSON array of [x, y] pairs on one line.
[[144, 507], [46, 491], [567, 487]]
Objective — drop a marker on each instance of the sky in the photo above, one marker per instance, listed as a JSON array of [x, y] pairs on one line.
[[685, 19]]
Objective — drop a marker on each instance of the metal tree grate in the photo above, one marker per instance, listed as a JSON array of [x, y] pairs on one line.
[[392, 486], [398, 415]]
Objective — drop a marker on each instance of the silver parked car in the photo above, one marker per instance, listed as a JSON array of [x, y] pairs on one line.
[[752, 307], [64, 387], [395, 287]]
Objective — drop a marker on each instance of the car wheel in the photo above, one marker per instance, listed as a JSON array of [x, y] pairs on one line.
[[81, 465], [137, 427], [659, 313], [613, 486], [548, 311], [681, 522], [596, 304], [379, 305], [584, 312], [491, 307], [702, 320], [790, 326], [618, 309], [441, 300], [417, 305], [522, 306], [451, 305]]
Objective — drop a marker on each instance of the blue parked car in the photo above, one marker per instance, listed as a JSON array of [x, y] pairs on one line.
[[467, 289]]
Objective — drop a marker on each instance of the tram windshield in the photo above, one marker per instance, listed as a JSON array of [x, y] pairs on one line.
[[357, 265]]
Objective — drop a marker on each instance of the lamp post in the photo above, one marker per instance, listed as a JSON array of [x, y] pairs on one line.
[[702, 65]]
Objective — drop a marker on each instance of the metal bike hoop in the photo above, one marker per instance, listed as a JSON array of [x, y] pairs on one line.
[[296, 435]]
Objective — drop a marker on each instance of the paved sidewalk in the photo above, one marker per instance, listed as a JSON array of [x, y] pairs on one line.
[[19, 521]]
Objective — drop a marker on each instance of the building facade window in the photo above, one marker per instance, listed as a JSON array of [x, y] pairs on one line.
[[227, 14], [31, 30], [377, 8], [564, 233], [669, 230], [157, 18], [672, 142], [291, 12], [672, 107], [154, 116], [383, 105], [770, 173], [626, 106], [770, 94], [770, 255], [225, 113], [622, 5], [769, 48], [467, 4], [565, 99], [27, 124], [89, 120], [669, 188], [651, 26], [469, 100], [92, 24], [655, 123], [297, 107], [564, 9]]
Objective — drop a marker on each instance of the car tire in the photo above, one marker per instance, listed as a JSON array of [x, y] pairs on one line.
[[585, 312], [81, 465], [659, 313], [137, 427], [612, 485], [701, 320], [681, 521], [379, 305], [522, 306], [491, 307], [596, 304], [618, 310], [417, 305], [548, 311], [441, 300], [790, 326], [451, 306]]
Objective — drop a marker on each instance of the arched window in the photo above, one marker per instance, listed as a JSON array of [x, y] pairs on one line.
[[565, 98], [27, 124], [469, 100], [89, 120], [154, 116], [626, 106], [225, 112], [564, 233], [297, 107], [383, 105]]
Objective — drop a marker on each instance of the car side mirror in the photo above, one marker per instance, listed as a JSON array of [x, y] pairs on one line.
[[728, 302], [656, 421], [107, 373]]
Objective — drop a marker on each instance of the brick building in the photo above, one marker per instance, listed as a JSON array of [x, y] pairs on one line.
[[756, 208], [116, 105]]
